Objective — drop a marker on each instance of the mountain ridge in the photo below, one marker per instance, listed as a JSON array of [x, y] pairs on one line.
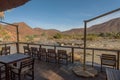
[[24, 29]]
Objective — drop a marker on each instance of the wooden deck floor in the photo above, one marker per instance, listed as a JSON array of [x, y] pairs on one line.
[[52, 71]]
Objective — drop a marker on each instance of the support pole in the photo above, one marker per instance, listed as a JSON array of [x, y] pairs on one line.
[[84, 63], [17, 32]]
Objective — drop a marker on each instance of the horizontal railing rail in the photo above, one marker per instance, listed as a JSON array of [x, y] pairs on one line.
[[117, 51], [101, 49], [8, 43]]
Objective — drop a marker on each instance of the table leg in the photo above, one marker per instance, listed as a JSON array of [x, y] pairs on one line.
[[7, 75]]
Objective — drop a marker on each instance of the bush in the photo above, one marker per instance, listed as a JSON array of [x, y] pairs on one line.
[[91, 37], [57, 36]]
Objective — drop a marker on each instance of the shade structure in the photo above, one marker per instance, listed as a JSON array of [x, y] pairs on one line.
[[9, 4], [85, 70]]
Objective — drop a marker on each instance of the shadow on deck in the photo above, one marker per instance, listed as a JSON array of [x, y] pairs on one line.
[[52, 71]]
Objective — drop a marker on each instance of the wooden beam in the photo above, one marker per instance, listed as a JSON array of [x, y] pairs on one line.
[[105, 14]]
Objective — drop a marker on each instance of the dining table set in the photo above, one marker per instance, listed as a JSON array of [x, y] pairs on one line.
[[9, 61]]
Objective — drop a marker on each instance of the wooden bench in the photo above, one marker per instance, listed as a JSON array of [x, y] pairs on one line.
[[112, 74]]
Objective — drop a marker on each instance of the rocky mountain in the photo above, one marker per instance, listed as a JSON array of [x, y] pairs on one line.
[[106, 27], [24, 29], [109, 26], [74, 31], [48, 32]]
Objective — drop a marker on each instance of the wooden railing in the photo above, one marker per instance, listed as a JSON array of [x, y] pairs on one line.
[[73, 48], [117, 52]]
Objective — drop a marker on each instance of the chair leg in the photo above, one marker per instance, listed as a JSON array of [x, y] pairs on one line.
[[19, 77], [33, 75], [0, 74], [55, 59], [101, 67], [40, 57], [12, 76], [66, 61]]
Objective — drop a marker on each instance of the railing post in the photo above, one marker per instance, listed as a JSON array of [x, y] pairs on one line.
[[17, 35], [72, 55], [118, 60], [28, 44], [92, 57], [17, 46], [55, 48], [40, 46], [5, 45]]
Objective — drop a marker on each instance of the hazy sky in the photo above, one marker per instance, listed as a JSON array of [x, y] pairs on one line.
[[59, 14]]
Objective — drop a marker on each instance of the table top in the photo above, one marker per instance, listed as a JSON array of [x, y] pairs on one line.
[[113, 74], [7, 59]]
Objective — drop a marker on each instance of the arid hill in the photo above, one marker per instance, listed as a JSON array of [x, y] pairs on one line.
[[109, 26], [106, 27], [74, 31], [25, 30], [48, 32]]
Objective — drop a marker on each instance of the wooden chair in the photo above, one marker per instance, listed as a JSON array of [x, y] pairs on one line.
[[63, 56], [42, 54], [109, 60], [51, 55], [5, 50], [27, 50], [2, 71], [34, 51], [26, 68]]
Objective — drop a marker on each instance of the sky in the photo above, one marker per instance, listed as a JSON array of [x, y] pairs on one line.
[[59, 14]]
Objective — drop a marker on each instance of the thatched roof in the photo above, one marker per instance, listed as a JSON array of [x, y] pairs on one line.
[[10, 4]]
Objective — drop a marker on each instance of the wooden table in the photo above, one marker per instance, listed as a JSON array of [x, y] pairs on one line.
[[10, 59], [112, 74]]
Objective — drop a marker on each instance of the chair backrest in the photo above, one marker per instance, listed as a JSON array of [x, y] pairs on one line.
[[26, 49], [62, 52], [51, 51], [34, 49], [5, 50], [27, 63], [42, 50], [108, 57]]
